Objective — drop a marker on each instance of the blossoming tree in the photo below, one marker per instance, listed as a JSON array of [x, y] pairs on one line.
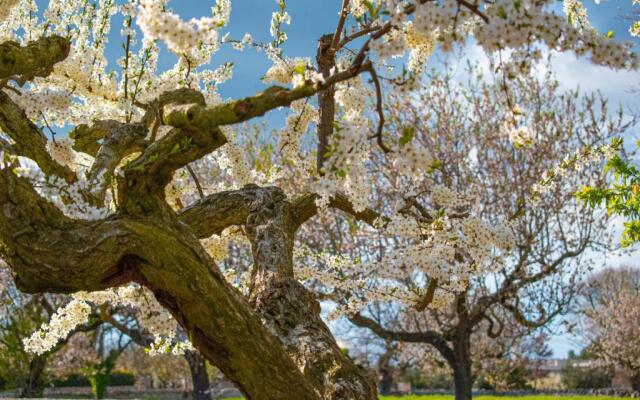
[[610, 312], [152, 167], [489, 156], [20, 314]]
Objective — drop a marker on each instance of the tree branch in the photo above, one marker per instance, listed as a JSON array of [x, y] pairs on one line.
[[521, 317], [515, 281], [344, 12], [119, 141], [212, 214], [29, 140], [36, 59], [49, 252], [305, 208], [431, 337], [326, 60], [428, 297]]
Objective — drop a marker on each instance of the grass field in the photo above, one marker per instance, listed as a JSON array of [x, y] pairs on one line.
[[444, 397]]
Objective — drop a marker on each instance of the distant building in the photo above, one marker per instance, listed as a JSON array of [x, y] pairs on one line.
[[556, 365]]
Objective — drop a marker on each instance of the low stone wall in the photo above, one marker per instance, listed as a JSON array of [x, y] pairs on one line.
[[558, 393]]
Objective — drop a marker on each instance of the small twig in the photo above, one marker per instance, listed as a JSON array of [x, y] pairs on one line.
[[344, 12], [195, 179], [349, 38], [428, 297], [46, 123], [474, 9], [376, 83]]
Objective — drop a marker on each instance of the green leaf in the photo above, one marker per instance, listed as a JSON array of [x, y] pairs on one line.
[[300, 69], [408, 133], [370, 6], [502, 13]]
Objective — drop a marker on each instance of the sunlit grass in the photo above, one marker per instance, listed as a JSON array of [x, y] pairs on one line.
[[446, 397]]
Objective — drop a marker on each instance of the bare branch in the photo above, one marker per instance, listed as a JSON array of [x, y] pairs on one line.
[[431, 337], [305, 208], [326, 59], [380, 111], [212, 214], [119, 141], [344, 12]]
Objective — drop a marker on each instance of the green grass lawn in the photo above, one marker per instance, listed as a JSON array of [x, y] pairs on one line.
[[444, 397]]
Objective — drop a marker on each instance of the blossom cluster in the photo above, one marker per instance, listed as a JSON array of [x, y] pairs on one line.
[[450, 249], [290, 137], [517, 130], [573, 162], [349, 147], [180, 36], [65, 320], [151, 316], [507, 25], [277, 19], [71, 199]]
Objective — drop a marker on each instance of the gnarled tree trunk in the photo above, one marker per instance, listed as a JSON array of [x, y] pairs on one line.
[[272, 346]]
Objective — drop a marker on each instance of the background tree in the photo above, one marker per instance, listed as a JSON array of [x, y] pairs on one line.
[[19, 316], [484, 166], [610, 312]]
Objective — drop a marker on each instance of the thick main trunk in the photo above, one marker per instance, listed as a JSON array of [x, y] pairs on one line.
[[199, 376], [220, 322], [290, 311], [35, 382], [463, 382], [462, 378]]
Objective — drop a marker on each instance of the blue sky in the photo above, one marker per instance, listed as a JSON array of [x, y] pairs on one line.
[[313, 18]]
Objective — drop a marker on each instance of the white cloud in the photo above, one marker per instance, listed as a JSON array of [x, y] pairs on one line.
[[572, 73]]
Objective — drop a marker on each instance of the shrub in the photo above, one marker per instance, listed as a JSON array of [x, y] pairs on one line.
[[597, 377]]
